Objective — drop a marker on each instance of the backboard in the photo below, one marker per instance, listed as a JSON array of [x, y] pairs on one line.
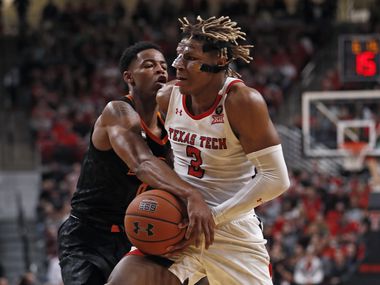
[[341, 123]]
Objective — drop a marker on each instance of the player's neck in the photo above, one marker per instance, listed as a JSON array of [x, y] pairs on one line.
[[151, 121], [205, 99], [147, 109]]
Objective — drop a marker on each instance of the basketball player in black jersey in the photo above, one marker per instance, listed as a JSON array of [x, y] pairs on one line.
[[126, 153]]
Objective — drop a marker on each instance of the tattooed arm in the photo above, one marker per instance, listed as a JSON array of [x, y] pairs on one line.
[[118, 128]]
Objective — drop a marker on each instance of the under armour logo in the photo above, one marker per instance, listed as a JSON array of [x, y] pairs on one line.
[[178, 111], [148, 229], [137, 227]]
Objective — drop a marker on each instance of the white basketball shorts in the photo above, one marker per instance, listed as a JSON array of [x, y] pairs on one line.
[[238, 256]]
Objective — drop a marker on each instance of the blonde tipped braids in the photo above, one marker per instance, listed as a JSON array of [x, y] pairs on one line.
[[220, 30]]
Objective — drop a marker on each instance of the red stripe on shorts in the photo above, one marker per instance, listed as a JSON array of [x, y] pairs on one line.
[[270, 270], [135, 252]]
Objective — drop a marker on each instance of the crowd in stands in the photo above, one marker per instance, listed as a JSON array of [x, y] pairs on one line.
[[69, 67], [69, 70], [316, 229]]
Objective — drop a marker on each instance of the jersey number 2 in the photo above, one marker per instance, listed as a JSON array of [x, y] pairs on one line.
[[195, 168]]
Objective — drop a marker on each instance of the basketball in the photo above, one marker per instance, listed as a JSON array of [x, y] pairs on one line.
[[151, 221]]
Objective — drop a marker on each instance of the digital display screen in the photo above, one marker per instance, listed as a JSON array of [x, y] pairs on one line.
[[359, 57]]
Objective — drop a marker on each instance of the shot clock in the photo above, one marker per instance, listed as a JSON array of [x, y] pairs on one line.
[[359, 58]]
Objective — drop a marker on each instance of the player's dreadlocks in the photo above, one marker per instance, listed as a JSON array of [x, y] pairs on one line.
[[219, 34]]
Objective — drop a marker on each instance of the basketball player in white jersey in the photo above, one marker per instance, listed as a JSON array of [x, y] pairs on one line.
[[225, 144]]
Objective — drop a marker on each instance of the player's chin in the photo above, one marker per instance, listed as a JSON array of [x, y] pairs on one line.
[[183, 88], [187, 84]]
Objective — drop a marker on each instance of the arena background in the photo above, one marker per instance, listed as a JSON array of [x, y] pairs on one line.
[[316, 62]]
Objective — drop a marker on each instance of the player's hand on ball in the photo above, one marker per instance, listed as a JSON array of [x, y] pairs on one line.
[[155, 220], [201, 220], [177, 248]]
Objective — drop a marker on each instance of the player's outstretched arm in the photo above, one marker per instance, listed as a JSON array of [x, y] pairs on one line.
[[119, 127], [250, 121]]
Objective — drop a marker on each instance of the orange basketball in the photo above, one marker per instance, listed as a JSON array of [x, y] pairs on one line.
[[151, 221]]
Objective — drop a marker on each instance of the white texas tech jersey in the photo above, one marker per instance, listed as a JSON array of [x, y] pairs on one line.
[[207, 153]]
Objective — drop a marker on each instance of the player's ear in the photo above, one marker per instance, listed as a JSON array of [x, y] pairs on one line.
[[128, 77]]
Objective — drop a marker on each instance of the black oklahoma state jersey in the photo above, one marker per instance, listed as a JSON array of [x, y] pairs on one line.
[[106, 186]]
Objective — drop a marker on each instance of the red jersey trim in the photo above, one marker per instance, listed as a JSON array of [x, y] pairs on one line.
[[153, 136], [211, 110], [161, 119], [148, 132], [203, 115], [232, 83], [135, 252]]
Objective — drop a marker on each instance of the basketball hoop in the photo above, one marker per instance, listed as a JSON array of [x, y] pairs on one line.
[[355, 154]]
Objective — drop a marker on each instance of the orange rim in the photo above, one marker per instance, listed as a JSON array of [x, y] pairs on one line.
[[354, 147]]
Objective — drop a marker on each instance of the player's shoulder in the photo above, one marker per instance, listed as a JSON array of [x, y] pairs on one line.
[[116, 110], [118, 106], [163, 95], [240, 93], [244, 103]]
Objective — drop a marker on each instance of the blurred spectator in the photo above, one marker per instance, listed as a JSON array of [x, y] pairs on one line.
[[28, 278], [11, 82], [118, 12], [318, 10], [50, 13], [375, 16], [143, 12], [53, 274], [309, 269], [1, 17], [340, 269], [22, 7], [3, 278]]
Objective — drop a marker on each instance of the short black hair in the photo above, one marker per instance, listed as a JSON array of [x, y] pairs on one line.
[[130, 53]]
